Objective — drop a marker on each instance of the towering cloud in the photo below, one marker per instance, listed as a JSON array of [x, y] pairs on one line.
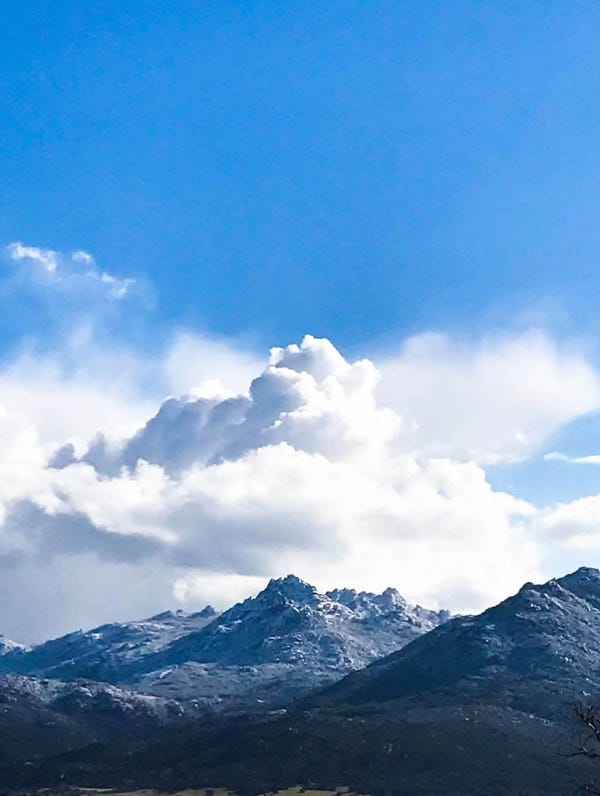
[[307, 472], [306, 468]]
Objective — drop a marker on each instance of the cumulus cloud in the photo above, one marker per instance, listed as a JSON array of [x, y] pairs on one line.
[[307, 472], [309, 397], [344, 472], [83, 385], [76, 271]]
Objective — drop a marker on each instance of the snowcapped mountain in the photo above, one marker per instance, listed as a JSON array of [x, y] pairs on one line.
[[284, 642], [104, 652], [290, 622], [543, 641], [478, 704]]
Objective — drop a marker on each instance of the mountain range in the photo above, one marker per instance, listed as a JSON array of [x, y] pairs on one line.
[[266, 650], [323, 689], [543, 640]]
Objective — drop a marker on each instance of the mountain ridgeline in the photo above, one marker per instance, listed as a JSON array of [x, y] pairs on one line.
[[543, 640], [321, 688], [286, 641]]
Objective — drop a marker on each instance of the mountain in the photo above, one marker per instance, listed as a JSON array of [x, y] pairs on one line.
[[286, 641], [543, 641], [480, 704], [266, 650], [41, 717], [290, 622], [104, 652], [8, 647], [262, 652]]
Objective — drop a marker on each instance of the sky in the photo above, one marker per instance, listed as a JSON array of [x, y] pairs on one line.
[[295, 287]]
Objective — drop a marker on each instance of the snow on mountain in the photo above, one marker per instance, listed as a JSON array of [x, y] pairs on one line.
[[8, 647], [543, 641], [286, 641], [290, 622], [45, 717], [81, 696], [104, 652], [478, 704], [268, 649]]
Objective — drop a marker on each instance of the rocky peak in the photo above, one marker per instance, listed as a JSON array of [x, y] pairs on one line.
[[206, 613], [288, 589], [166, 616], [366, 603], [344, 596], [587, 574], [180, 615], [391, 599], [585, 583], [581, 585]]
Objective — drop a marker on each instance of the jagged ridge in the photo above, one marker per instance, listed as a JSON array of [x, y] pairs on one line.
[[284, 642], [544, 637]]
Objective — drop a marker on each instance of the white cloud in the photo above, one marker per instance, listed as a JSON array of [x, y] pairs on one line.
[[117, 288], [308, 464], [85, 386], [495, 400], [306, 474], [46, 258], [555, 456], [207, 366], [83, 257], [217, 589], [74, 272], [574, 525]]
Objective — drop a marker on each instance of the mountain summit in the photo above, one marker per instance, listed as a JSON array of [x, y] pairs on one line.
[[545, 638], [291, 589], [479, 704], [284, 642]]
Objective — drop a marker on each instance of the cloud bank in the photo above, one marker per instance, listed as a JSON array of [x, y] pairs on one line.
[[306, 472], [371, 472]]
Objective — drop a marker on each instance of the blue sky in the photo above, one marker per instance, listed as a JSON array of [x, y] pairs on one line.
[[184, 186], [356, 169]]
